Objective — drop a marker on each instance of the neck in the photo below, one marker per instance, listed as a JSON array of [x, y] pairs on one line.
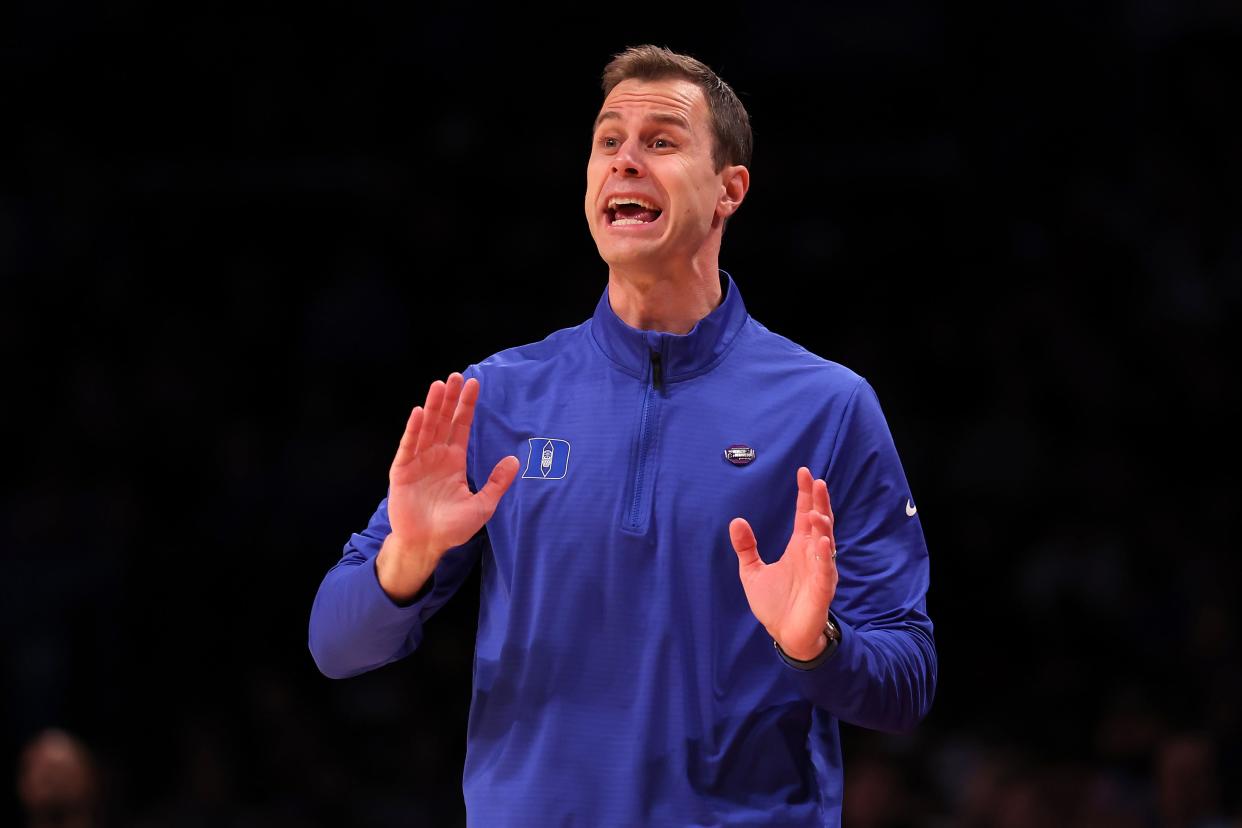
[[671, 299]]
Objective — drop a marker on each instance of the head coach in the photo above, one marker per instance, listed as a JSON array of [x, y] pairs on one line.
[[647, 652]]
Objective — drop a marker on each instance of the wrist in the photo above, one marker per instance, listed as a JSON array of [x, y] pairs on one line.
[[827, 643], [799, 654], [402, 568]]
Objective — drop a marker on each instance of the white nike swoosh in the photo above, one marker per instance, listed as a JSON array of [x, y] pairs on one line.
[[910, 508]]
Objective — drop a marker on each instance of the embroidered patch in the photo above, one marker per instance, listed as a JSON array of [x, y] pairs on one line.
[[547, 459], [739, 455]]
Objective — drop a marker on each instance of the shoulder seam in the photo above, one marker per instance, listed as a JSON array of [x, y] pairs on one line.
[[836, 434]]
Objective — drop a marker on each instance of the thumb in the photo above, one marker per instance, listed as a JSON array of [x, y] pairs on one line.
[[743, 538], [498, 483]]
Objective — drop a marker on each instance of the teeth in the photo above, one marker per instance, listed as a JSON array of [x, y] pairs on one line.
[[620, 222], [615, 200]]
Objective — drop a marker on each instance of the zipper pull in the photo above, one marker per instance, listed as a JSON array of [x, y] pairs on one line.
[[657, 379]]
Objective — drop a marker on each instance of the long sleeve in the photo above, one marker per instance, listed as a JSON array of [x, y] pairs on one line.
[[883, 673], [355, 626]]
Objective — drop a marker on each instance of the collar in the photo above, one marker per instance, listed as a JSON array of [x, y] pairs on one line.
[[682, 355]]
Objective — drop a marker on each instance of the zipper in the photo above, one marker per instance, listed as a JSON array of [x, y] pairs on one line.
[[654, 387]]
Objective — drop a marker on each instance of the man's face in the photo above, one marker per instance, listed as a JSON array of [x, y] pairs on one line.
[[653, 143]]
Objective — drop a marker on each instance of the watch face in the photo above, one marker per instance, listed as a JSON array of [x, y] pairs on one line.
[[834, 634]]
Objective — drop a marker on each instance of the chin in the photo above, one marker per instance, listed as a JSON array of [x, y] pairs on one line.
[[630, 254], [633, 248]]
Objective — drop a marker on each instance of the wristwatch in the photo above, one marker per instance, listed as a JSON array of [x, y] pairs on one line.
[[831, 632]]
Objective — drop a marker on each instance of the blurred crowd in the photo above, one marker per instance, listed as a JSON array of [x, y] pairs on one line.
[[1145, 773]]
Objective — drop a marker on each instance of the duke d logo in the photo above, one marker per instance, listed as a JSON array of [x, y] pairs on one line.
[[547, 458]]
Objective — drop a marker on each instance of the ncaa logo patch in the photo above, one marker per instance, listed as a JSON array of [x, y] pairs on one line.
[[739, 455], [547, 458]]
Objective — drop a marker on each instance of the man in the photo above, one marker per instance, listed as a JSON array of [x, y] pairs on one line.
[[630, 667]]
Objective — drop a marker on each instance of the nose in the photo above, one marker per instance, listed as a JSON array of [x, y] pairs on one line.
[[626, 162]]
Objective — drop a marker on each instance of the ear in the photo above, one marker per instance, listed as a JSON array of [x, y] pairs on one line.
[[736, 181]]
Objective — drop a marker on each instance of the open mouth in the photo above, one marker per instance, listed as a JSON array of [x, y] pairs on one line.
[[628, 211]]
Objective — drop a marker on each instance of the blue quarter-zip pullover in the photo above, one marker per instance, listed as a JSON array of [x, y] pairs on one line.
[[620, 677]]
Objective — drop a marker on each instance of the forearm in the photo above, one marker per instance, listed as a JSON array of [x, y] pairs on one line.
[[881, 678], [355, 626]]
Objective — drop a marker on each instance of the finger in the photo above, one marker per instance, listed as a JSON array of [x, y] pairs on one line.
[[444, 424], [743, 539], [825, 563], [821, 497], [801, 525], [498, 482], [821, 524], [464, 415], [821, 529], [405, 451], [435, 398]]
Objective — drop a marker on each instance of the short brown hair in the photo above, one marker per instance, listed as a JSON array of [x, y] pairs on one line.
[[730, 121]]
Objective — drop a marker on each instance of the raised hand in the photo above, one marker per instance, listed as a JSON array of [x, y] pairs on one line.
[[791, 597], [430, 506]]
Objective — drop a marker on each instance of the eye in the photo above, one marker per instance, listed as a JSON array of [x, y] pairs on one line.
[[664, 141], [608, 142]]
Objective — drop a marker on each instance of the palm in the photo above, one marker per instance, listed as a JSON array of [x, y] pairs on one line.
[[430, 505], [790, 597], [430, 501]]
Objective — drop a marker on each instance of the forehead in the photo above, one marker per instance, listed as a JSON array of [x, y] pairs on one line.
[[644, 99]]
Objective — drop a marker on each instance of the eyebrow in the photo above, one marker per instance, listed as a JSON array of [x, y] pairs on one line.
[[658, 117]]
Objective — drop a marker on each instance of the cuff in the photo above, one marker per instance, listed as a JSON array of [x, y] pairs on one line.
[[828, 652], [419, 596]]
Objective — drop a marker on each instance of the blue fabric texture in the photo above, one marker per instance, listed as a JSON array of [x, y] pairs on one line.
[[620, 678]]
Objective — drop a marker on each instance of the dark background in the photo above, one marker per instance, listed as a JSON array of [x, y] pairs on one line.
[[236, 247]]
